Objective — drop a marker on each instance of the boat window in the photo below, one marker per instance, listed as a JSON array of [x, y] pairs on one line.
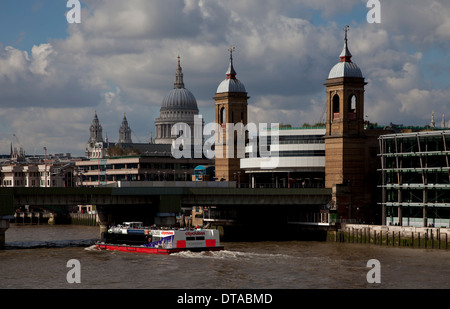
[[195, 238]]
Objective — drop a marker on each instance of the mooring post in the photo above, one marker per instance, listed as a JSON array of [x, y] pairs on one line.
[[432, 240], [439, 238], [426, 238]]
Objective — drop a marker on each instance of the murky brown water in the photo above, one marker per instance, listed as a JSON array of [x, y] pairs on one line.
[[37, 256]]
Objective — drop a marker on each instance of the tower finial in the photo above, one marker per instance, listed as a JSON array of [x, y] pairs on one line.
[[231, 50], [346, 29], [231, 73], [346, 55]]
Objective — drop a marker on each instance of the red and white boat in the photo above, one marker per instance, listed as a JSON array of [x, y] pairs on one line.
[[133, 237]]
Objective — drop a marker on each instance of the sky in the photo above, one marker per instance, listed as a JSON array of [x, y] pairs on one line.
[[122, 56]]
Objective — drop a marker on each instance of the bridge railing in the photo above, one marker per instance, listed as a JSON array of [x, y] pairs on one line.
[[217, 184], [280, 185]]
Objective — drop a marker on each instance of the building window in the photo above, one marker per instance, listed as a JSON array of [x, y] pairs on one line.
[[352, 103], [222, 115], [335, 106], [352, 107]]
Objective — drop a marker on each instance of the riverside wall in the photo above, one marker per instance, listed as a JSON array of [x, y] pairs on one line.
[[400, 236], [46, 218]]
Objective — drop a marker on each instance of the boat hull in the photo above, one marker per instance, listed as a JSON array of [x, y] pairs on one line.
[[149, 250]]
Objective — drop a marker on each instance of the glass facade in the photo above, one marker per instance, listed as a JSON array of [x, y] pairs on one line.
[[415, 178]]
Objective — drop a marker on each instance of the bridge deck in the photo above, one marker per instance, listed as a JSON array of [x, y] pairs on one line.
[[171, 198]]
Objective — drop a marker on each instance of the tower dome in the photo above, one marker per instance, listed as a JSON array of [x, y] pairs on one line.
[[178, 106], [179, 98], [231, 83], [345, 68]]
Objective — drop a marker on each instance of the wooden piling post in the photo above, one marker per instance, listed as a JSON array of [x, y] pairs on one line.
[[439, 239], [426, 238], [432, 238]]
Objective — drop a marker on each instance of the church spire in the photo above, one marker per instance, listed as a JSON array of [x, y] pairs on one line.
[[346, 55], [125, 132], [95, 130], [179, 76]]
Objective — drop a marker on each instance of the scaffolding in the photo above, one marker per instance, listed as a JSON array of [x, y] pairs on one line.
[[415, 178]]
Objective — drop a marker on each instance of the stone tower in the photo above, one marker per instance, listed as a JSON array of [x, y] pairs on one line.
[[231, 109], [345, 140], [96, 136], [125, 132]]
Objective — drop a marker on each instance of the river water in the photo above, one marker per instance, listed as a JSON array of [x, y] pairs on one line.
[[36, 257]]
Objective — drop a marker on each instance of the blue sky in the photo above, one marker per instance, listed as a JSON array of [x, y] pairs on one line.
[[122, 58], [24, 23]]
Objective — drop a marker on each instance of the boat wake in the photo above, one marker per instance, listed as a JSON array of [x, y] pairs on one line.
[[92, 248], [228, 255]]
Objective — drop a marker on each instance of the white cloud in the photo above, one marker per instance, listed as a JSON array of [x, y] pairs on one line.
[[40, 59], [122, 58], [421, 103], [53, 128], [13, 63]]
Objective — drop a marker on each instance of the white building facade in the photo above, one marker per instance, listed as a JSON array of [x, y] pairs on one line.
[[37, 175], [296, 158]]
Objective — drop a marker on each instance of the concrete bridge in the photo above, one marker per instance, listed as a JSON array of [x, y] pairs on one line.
[[117, 204]]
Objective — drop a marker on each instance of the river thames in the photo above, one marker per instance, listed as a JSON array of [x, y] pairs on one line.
[[37, 256]]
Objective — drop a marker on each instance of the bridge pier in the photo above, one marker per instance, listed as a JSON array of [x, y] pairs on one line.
[[4, 225], [105, 219]]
